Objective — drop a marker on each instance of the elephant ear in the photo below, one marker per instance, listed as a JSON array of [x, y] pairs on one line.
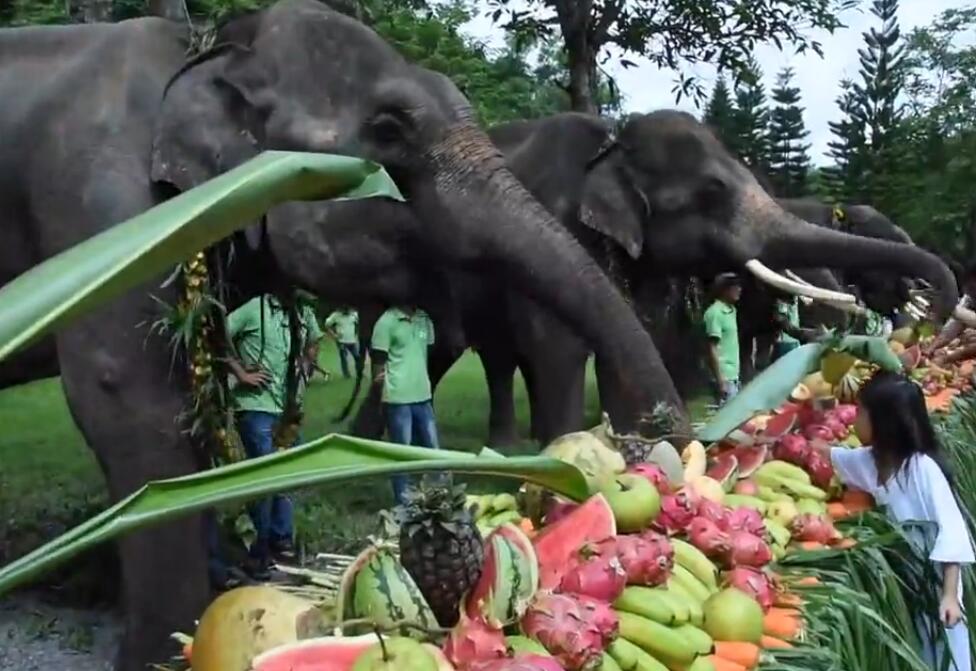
[[608, 206]]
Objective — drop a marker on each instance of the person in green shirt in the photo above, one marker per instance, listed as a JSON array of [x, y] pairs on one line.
[[399, 346], [343, 325], [791, 335], [722, 331], [262, 339]]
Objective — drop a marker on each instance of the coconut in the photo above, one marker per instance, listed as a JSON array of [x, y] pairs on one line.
[[731, 615], [245, 622]]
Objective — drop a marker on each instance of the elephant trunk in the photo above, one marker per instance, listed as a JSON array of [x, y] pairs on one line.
[[510, 230]]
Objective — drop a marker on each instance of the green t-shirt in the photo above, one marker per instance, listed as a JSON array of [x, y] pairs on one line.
[[789, 310], [405, 340], [244, 328], [721, 325], [345, 325]]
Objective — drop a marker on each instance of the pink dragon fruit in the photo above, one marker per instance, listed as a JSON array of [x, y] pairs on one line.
[[574, 629], [753, 582], [596, 572], [677, 511], [648, 559], [654, 475], [708, 537], [821, 431], [473, 640], [712, 511], [815, 528], [744, 519], [792, 448], [746, 549], [820, 468], [838, 427], [521, 662], [846, 413]]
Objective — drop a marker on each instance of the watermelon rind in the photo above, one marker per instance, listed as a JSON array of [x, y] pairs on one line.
[[509, 578], [330, 653], [724, 469], [779, 425], [750, 458], [556, 544]]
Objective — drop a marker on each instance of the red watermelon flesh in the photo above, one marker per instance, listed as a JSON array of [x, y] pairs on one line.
[[330, 653], [750, 459], [779, 425], [724, 468], [557, 543]]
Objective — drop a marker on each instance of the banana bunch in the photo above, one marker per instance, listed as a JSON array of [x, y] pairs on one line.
[[785, 478], [660, 627], [493, 510]]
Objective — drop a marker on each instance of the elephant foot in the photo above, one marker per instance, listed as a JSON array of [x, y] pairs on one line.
[[506, 436]]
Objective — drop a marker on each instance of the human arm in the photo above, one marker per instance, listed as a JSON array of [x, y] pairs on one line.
[[853, 467], [952, 330], [713, 362], [962, 354], [252, 378], [380, 348], [950, 610], [240, 322]]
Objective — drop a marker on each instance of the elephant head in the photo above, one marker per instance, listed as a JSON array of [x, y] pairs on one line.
[[300, 76], [667, 190]]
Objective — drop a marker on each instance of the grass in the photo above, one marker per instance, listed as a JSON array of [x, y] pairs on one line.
[[50, 480]]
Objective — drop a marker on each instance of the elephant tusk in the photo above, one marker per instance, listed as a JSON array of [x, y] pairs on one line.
[[965, 315], [850, 308], [806, 300], [774, 279]]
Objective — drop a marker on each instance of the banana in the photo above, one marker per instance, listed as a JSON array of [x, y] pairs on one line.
[[504, 517], [691, 584], [740, 501], [631, 657], [783, 469], [702, 664], [501, 502], [650, 603], [681, 601], [695, 561], [770, 495], [476, 504], [697, 615], [609, 664], [660, 641], [525, 644], [702, 642], [803, 491], [780, 534]]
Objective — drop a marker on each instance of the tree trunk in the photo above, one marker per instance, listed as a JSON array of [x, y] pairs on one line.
[[91, 11], [174, 10], [581, 78]]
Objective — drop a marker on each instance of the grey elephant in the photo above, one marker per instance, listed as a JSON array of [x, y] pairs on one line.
[[122, 119], [658, 198]]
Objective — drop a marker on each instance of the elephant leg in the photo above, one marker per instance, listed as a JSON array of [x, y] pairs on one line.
[[557, 393], [500, 373], [126, 399]]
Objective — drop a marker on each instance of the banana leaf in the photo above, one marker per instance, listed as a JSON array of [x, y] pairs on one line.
[[328, 460], [772, 387], [89, 274]]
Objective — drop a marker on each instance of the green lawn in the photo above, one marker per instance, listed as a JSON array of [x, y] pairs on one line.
[[49, 479]]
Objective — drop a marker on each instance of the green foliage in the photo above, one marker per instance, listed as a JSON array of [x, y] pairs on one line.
[[752, 119], [848, 149], [720, 114], [789, 160]]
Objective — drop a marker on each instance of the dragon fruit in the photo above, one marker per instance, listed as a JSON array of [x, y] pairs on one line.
[[846, 413], [473, 640], [715, 512], [793, 449], [815, 528], [821, 431], [677, 511], [708, 537], [596, 572], [807, 415], [838, 427], [654, 475], [647, 559], [522, 662], [745, 549], [744, 519], [820, 468], [753, 582], [574, 629]]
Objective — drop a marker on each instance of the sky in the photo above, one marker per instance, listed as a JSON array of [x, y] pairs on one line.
[[646, 87]]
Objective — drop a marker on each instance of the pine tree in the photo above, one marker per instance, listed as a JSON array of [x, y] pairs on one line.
[[752, 120], [845, 178], [720, 115], [788, 153], [882, 80]]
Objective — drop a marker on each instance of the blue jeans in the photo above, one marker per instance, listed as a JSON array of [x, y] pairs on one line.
[[272, 517], [410, 424], [352, 349]]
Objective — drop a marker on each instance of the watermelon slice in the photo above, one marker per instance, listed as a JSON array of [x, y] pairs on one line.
[[330, 653], [724, 469], [750, 458], [779, 425], [911, 358], [556, 544], [509, 578]]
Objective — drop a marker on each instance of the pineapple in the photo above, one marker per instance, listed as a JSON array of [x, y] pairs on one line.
[[440, 546]]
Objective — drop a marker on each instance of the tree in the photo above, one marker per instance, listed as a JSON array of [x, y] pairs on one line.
[[789, 160], [844, 180], [720, 115], [668, 33], [752, 119]]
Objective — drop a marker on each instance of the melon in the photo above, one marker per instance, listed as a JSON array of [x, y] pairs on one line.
[[330, 653], [557, 544], [509, 578], [695, 460], [243, 623], [801, 393], [724, 468], [749, 459], [896, 347], [707, 488], [779, 425], [833, 366], [732, 615], [817, 385]]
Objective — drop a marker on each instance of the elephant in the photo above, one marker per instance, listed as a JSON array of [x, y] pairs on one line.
[[123, 119], [659, 197]]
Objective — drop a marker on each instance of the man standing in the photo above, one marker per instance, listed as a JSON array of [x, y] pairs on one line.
[[787, 319], [401, 338], [260, 332], [722, 331], [343, 325]]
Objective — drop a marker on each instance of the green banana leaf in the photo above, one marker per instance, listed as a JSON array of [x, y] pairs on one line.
[[74, 282], [772, 387], [328, 460]]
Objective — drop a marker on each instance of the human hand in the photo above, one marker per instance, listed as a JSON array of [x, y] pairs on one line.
[[254, 378], [950, 612]]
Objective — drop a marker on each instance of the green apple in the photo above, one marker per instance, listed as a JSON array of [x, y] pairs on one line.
[[782, 512], [395, 654], [635, 502]]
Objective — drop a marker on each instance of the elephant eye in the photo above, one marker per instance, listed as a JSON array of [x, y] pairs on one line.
[[387, 127]]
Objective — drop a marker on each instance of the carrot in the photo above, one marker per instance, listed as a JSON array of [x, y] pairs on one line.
[[746, 654], [857, 501], [782, 623], [845, 543], [810, 546], [527, 527], [838, 511], [808, 581], [788, 600], [773, 643], [722, 664]]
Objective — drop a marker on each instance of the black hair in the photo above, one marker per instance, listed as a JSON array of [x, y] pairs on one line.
[[900, 424]]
